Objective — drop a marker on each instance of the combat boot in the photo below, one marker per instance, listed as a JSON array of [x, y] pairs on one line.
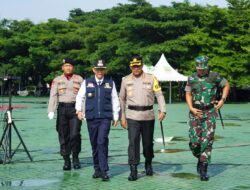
[[133, 173], [148, 168], [97, 174], [203, 172], [104, 176], [67, 163], [198, 166], [76, 162]]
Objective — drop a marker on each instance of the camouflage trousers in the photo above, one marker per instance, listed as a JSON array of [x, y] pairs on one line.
[[201, 134]]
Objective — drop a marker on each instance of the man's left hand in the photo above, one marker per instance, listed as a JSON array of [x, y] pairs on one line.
[[219, 104], [161, 116]]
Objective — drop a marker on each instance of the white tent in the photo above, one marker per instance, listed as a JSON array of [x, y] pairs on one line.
[[164, 72]]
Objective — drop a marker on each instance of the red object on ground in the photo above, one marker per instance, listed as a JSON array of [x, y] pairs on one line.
[[5, 107]]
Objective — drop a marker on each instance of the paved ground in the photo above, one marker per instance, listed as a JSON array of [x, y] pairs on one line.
[[174, 169]]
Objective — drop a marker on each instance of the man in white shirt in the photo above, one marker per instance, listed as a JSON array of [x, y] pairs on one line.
[[98, 102]]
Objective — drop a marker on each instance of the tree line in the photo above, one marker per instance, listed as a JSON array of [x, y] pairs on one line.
[[181, 31]]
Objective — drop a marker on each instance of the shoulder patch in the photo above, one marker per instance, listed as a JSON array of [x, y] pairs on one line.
[[156, 85]]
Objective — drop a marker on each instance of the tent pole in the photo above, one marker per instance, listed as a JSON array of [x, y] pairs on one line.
[[170, 87]]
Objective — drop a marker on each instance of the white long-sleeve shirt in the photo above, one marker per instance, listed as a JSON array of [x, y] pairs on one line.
[[81, 97]]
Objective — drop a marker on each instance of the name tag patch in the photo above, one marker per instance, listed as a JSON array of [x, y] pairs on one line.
[[90, 85], [106, 85]]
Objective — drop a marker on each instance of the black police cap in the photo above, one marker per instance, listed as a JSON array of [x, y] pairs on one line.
[[68, 60], [100, 64]]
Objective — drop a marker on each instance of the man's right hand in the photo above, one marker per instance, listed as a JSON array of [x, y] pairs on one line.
[[51, 115], [124, 123], [80, 115], [196, 112]]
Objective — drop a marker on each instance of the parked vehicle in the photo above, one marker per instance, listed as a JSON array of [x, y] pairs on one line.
[[28, 90]]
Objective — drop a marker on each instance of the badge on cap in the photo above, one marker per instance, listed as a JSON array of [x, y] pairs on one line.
[[100, 63], [68, 60]]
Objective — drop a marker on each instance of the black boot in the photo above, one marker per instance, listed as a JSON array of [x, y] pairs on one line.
[[97, 174], [133, 173], [198, 166], [67, 163], [148, 168], [104, 176], [76, 162], [203, 172]]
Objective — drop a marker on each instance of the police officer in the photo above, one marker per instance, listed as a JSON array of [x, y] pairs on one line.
[[98, 102], [201, 90], [137, 94], [64, 89]]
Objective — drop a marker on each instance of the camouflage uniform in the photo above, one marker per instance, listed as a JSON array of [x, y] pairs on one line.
[[201, 131]]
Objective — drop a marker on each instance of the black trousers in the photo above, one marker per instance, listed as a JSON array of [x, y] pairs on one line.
[[98, 135], [136, 131], [68, 128]]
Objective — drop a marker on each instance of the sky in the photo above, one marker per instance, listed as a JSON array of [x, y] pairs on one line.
[[41, 10]]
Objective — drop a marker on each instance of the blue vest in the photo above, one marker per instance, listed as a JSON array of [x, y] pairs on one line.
[[98, 102]]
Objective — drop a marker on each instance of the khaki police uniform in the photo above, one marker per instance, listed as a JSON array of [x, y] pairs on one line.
[[68, 125], [64, 90], [137, 95]]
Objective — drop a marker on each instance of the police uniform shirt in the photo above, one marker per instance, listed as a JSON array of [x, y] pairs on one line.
[[64, 90], [81, 96], [140, 91]]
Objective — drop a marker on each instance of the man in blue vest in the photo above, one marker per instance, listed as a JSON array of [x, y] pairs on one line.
[[98, 102]]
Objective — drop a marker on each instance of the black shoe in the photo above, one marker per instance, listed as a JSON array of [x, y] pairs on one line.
[[198, 166], [97, 174], [104, 176], [67, 163], [76, 163], [148, 169], [133, 173], [203, 172]]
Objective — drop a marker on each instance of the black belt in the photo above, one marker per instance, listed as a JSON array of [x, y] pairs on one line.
[[203, 108], [140, 108], [63, 104]]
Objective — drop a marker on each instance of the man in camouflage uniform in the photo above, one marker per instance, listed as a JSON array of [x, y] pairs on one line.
[[137, 94], [201, 91], [64, 89]]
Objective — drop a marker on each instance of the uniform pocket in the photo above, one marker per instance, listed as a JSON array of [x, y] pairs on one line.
[[89, 107], [108, 107], [147, 89], [107, 93], [130, 90], [61, 88], [76, 86]]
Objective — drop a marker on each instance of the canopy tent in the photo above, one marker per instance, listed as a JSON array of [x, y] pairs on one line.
[[164, 72]]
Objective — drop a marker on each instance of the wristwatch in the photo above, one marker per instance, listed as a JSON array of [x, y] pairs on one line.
[[223, 99]]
